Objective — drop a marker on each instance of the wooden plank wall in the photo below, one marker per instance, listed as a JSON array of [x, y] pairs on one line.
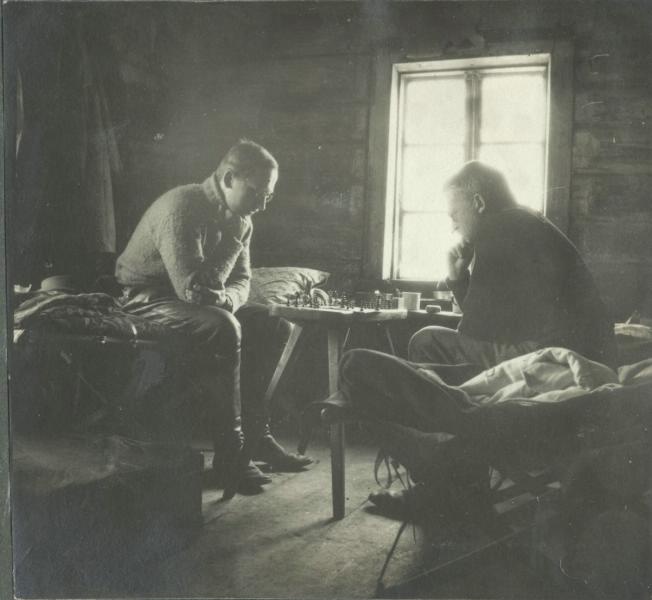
[[611, 208], [610, 212], [299, 78], [296, 83]]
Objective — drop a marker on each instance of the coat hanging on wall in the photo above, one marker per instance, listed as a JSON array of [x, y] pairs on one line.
[[68, 156]]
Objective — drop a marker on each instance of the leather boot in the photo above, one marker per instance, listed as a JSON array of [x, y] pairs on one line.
[[409, 504], [438, 465], [268, 450], [232, 466], [231, 463], [422, 454]]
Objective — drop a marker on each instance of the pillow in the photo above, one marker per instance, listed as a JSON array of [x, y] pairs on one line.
[[272, 285], [637, 330]]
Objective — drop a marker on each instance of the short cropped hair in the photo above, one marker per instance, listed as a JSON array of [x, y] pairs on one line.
[[476, 177], [244, 158]]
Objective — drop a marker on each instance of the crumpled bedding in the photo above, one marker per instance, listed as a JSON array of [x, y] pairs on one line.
[[92, 314], [550, 375]]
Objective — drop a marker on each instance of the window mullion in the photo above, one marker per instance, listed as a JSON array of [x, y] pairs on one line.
[[397, 216], [468, 142], [473, 114]]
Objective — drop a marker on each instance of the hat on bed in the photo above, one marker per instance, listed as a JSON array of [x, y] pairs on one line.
[[59, 283]]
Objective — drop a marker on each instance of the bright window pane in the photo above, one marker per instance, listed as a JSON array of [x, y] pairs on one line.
[[434, 136], [513, 107], [425, 240], [424, 171], [433, 110], [523, 165]]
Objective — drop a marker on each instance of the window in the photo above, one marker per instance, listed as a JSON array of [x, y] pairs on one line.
[[442, 114]]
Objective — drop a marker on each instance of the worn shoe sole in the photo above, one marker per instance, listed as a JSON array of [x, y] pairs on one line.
[[249, 481], [286, 462], [279, 459], [409, 504]]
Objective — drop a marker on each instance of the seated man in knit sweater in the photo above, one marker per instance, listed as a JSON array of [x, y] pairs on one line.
[[521, 284], [187, 266]]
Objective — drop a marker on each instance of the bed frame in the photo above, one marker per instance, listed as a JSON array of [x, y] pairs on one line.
[[576, 462]]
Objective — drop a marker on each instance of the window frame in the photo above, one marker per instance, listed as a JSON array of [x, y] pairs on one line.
[[382, 148]]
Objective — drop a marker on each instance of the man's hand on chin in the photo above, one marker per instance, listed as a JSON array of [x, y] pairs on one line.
[[459, 259]]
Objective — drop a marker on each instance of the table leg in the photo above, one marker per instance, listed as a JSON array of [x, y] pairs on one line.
[[336, 339], [288, 358], [386, 336]]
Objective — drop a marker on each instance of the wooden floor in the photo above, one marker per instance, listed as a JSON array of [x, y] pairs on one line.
[[282, 543]]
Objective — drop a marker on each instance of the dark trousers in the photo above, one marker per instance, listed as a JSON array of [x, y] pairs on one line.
[[387, 388], [384, 389], [235, 354]]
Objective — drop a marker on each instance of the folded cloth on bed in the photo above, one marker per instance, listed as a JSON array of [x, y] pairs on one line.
[[92, 314], [42, 300], [549, 375]]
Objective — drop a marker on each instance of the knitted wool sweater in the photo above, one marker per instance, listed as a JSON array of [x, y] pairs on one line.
[[189, 237]]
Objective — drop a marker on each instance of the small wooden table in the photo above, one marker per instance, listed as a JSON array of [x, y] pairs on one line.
[[337, 323], [445, 318]]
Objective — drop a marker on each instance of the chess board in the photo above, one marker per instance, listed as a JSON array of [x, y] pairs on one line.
[[342, 300], [337, 313]]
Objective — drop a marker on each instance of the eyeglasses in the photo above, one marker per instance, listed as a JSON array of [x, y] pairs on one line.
[[260, 195], [266, 197]]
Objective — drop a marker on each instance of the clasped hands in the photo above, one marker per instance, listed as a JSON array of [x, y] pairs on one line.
[[204, 295]]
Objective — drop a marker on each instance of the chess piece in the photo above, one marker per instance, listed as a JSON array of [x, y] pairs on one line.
[[377, 303]]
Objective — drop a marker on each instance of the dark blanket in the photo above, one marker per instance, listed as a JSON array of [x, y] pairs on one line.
[[92, 314]]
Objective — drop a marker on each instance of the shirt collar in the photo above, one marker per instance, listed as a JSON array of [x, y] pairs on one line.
[[214, 192], [215, 196]]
